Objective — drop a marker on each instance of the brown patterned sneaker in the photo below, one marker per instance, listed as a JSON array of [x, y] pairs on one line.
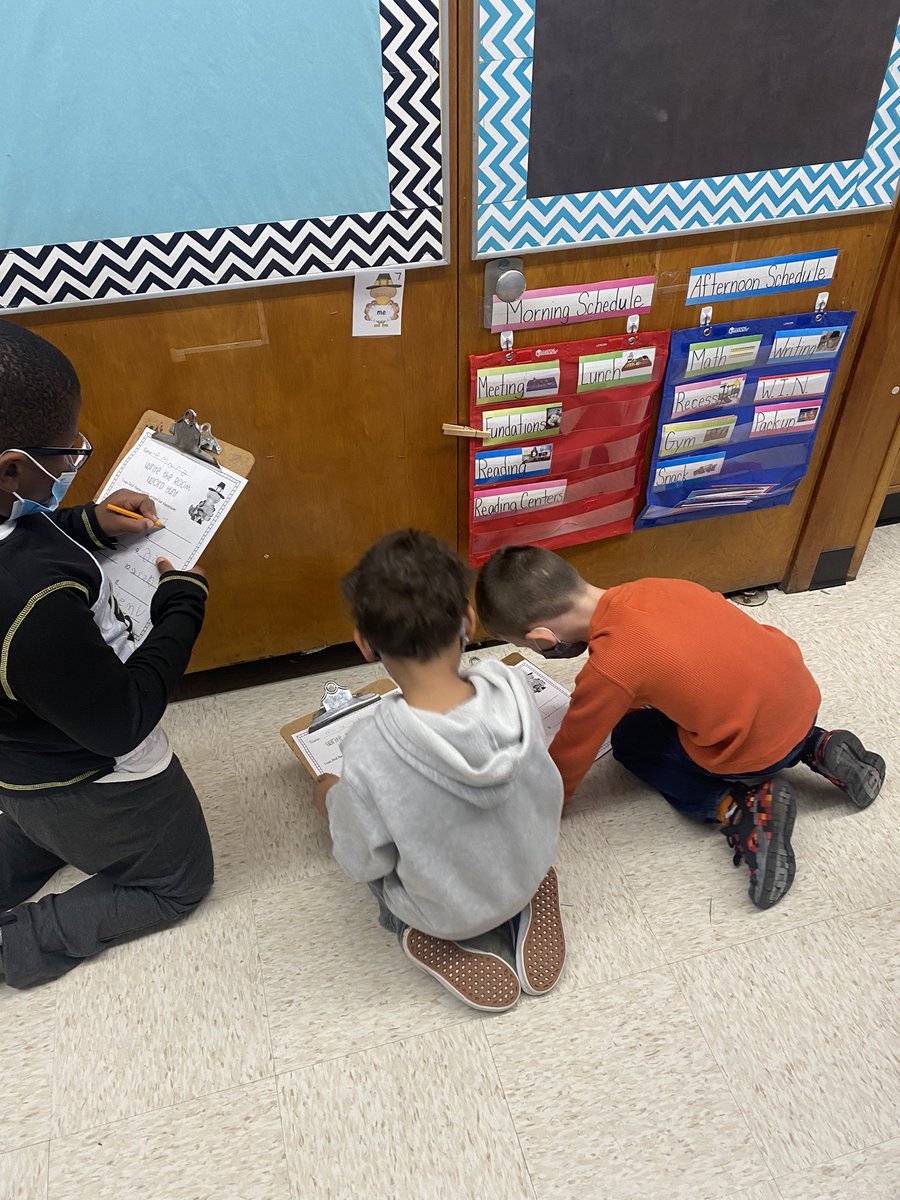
[[541, 939], [481, 980]]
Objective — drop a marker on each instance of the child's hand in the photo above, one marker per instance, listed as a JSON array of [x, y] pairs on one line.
[[323, 786], [114, 525]]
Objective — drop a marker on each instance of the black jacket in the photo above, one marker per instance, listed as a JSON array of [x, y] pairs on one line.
[[74, 692]]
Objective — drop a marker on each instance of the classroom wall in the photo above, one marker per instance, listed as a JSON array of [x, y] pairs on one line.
[[347, 432]]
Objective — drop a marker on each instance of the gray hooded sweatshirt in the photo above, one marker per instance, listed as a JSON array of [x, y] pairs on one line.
[[458, 813]]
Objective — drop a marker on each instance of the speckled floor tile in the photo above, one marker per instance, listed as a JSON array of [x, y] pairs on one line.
[[23, 1173], [607, 935], [878, 931], [27, 1022], [808, 1034], [286, 838], [682, 873], [229, 810], [423, 1119], [335, 981], [855, 855], [165, 1018], [762, 1191], [614, 1093], [872, 1174], [225, 1146], [199, 730]]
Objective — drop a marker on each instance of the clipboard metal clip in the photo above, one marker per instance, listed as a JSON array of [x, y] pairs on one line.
[[192, 438], [339, 702]]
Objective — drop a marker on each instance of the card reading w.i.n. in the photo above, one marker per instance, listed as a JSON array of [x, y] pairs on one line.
[[192, 499]]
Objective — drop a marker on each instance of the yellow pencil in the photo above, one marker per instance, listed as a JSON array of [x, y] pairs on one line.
[[124, 512]]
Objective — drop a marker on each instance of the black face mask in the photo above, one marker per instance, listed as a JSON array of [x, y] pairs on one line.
[[564, 650]]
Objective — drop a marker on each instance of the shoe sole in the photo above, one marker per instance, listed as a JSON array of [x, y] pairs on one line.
[[855, 770], [776, 865], [541, 940], [479, 979]]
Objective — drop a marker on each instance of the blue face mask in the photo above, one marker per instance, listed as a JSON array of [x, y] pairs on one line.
[[23, 507]]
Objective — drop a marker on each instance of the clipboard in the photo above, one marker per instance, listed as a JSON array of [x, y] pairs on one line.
[[381, 687], [332, 715], [190, 436], [194, 481]]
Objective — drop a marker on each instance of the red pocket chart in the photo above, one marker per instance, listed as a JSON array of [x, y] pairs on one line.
[[569, 424]]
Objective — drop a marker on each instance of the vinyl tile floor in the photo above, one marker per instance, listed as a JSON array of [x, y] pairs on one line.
[[278, 1046]]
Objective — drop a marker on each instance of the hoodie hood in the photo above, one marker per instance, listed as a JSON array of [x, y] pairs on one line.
[[475, 751]]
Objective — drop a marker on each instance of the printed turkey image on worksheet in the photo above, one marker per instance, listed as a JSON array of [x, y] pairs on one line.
[[192, 500]]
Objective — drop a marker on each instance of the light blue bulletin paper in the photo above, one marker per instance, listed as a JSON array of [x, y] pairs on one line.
[[123, 117]]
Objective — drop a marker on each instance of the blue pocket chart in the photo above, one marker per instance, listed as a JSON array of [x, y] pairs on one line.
[[169, 146], [741, 407]]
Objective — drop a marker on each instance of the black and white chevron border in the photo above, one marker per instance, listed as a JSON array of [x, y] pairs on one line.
[[410, 233]]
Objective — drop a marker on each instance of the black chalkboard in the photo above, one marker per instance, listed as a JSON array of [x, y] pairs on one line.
[[631, 92]]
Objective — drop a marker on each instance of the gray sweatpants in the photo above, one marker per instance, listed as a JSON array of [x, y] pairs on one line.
[[145, 845]]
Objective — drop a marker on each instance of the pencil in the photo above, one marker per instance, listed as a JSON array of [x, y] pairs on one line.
[[124, 512]]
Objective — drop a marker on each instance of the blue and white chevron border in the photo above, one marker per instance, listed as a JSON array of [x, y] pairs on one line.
[[882, 161], [504, 128], [508, 221], [411, 233], [506, 29]]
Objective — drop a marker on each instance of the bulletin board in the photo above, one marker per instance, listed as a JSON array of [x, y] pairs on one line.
[[601, 120], [165, 148]]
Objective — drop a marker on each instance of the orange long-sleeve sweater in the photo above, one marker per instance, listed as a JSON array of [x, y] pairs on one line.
[[739, 692]]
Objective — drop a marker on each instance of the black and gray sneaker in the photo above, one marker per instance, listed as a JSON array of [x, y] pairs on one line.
[[758, 826], [843, 760]]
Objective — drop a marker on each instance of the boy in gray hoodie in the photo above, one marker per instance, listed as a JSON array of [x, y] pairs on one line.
[[449, 804]]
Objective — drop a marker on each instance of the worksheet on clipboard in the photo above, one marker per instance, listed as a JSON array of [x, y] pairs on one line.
[[322, 747], [552, 700], [192, 500]]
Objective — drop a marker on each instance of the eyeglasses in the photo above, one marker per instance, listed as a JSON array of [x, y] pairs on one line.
[[77, 454]]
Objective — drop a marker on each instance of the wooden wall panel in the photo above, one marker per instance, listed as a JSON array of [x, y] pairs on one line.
[[346, 434]]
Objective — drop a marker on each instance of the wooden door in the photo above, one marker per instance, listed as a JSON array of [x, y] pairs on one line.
[[346, 434], [727, 553]]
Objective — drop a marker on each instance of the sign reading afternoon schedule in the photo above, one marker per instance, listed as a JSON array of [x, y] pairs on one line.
[[761, 277]]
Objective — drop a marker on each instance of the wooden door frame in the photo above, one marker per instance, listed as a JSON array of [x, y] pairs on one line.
[[862, 452]]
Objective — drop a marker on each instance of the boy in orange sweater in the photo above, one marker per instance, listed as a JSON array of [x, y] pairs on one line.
[[703, 703]]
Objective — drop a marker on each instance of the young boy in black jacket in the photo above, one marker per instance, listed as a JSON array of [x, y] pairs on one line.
[[86, 775]]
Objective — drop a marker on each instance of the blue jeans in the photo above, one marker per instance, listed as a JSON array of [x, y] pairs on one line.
[[646, 742], [497, 941]]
